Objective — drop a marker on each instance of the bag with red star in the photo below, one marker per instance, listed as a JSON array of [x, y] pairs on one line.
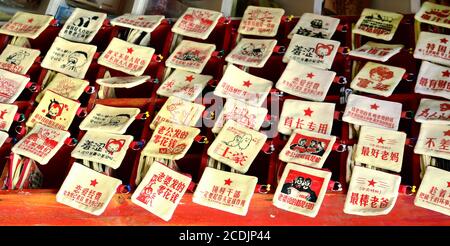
[[190, 56], [433, 47], [11, 86], [146, 23], [433, 80], [433, 112], [87, 190], [433, 140], [196, 23], [18, 59], [243, 86], [82, 25], [184, 84], [7, 115], [377, 24], [260, 21], [126, 57], [252, 52], [381, 148], [229, 192], [433, 191], [311, 116], [434, 14], [377, 51], [301, 189], [26, 25], [371, 192]]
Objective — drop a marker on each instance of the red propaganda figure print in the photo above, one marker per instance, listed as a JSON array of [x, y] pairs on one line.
[[307, 185]]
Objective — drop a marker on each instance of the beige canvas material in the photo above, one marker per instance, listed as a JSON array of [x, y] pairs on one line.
[[26, 25], [433, 112], [109, 119], [377, 51], [313, 25], [260, 21], [184, 84], [196, 23], [377, 24], [65, 86], [18, 59], [11, 86], [123, 82], [433, 80], [82, 25], [433, 47], [252, 52], [434, 14], [146, 23], [7, 114], [433, 191], [433, 140], [3, 137], [190, 56]]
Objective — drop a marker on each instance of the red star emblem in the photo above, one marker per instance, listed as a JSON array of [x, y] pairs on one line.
[[444, 40], [448, 184], [30, 20], [308, 112], [94, 182], [374, 106], [372, 183], [228, 181], [446, 73], [247, 83], [130, 50], [381, 140], [447, 133], [310, 75], [189, 78]]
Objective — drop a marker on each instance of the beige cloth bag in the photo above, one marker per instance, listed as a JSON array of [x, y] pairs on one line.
[[246, 115], [378, 79], [361, 110], [433, 191], [184, 84], [178, 111], [11, 86], [371, 192], [307, 148], [18, 59], [82, 25], [433, 47], [161, 191], [381, 148], [433, 112], [190, 56], [377, 24], [109, 119], [434, 14], [196, 23], [252, 52], [41, 143], [433, 80], [7, 115], [69, 58], [377, 51], [243, 86], [305, 81], [129, 58], [65, 86], [311, 116], [146, 23], [105, 148], [229, 192], [260, 21], [316, 52], [123, 82], [3, 137], [87, 190], [434, 140], [237, 146], [55, 111], [26, 25], [301, 190], [313, 25]]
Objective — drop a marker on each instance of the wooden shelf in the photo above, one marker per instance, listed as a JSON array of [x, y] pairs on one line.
[[39, 207]]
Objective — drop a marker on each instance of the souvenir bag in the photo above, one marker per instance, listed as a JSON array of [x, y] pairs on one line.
[[18, 59], [41, 143], [246, 115], [361, 110], [184, 84], [26, 25], [161, 190], [196, 23], [103, 148], [376, 51], [433, 47], [69, 58], [434, 14], [301, 190], [229, 192], [317, 26], [178, 111], [433, 140], [126, 57], [311, 116], [87, 190], [377, 24], [243, 86], [145, 23], [433, 112], [55, 111], [252, 52], [123, 82], [381, 148], [190, 56], [20, 173], [169, 142], [260, 21], [65, 86], [305, 81], [11, 86], [311, 51], [3, 137], [433, 191], [433, 80], [236, 146], [7, 115], [307, 148], [378, 79], [371, 192], [82, 25], [109, 119]]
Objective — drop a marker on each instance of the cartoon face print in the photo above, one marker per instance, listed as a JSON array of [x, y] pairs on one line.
[[317, 23], [75, 60], [240, 141], [118, 120], [55, 109], [114, 145], [84, 21], [323, 50], [253, 50], [300, 146], [315, 147], [381, 73], [17, 57]]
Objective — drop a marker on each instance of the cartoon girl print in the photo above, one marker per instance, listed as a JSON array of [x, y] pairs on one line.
[[114, 145], [55, 109], [377, 75], [323, 50], [75, 61]]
